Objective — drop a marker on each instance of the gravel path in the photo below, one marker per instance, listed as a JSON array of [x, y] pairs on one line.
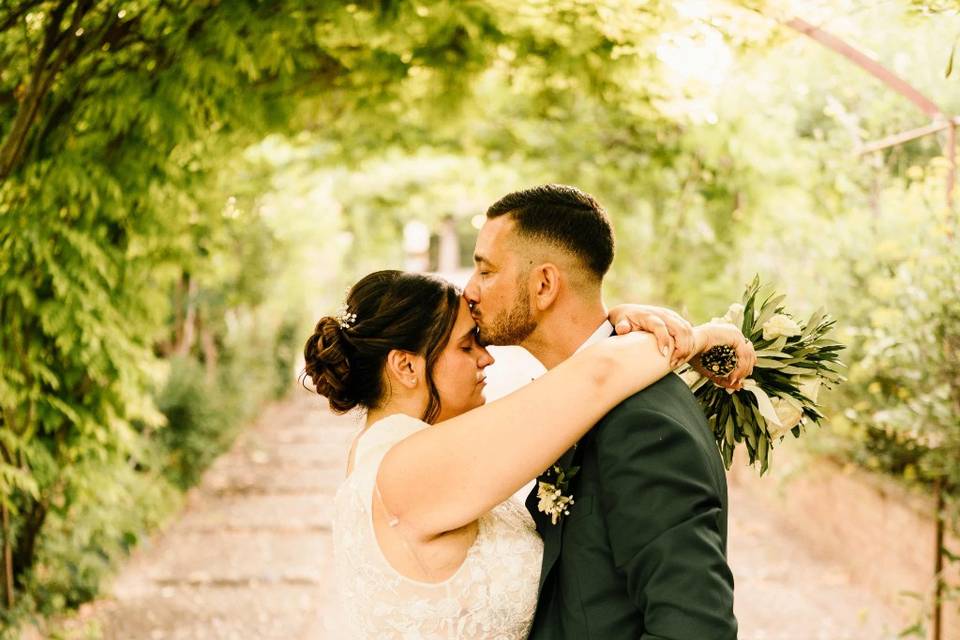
[[249, 557]]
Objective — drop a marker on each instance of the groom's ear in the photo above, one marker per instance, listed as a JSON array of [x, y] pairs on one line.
[[545, 280]]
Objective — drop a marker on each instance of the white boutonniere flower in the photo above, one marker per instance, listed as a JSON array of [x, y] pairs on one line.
[[552, 500]]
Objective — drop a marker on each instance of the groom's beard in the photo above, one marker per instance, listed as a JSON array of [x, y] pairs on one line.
[[510, 327]]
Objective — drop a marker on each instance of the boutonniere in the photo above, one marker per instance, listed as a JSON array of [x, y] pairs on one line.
[[553, 502]]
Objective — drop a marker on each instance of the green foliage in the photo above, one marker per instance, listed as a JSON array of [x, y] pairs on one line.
[[111, 503], [185, 185], [204, 409], [112, 506], [113, 122], [899, 413], [198, 422]]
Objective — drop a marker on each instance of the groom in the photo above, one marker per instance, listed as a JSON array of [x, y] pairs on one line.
[[642, 553]]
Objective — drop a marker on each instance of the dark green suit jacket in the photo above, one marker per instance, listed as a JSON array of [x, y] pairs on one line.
[[643, 552]]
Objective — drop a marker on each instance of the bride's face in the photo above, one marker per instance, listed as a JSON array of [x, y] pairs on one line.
[[458, 374]]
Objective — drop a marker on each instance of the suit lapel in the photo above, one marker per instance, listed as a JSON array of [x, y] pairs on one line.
[[552, 534]]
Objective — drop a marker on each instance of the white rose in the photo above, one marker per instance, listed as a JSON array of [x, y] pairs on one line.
[[787, 413], [734, 315], [780, 325]]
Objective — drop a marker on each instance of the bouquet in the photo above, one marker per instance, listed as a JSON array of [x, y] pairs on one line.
[[794, 359]]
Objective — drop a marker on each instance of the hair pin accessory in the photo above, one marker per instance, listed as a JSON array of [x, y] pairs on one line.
[[345, 318]]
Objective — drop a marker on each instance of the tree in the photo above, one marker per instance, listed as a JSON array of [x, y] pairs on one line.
[[116, 121]]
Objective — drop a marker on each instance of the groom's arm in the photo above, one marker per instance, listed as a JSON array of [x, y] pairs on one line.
[[663, 516]]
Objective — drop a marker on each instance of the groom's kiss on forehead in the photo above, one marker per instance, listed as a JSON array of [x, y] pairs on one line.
[[538, 250]]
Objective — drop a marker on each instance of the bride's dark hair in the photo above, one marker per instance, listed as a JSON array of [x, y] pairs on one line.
[[386, 310]]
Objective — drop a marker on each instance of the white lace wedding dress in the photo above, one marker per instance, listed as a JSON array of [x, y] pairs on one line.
[[491, 596]]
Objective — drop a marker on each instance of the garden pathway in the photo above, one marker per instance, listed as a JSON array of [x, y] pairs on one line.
[[249, 556]]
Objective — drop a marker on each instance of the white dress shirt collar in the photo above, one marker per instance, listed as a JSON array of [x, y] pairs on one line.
[[603, 331]]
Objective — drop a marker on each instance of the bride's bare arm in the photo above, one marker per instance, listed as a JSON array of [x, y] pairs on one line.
[[445, 477]]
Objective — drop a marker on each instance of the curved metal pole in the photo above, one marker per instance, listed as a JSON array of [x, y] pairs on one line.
[[940, 120], [869, 65], [951, 166]]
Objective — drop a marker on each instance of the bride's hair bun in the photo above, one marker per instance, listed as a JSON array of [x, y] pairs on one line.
[[328, 364], [346, 355]]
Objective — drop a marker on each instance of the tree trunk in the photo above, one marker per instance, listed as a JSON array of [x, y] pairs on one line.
[[938, 563], [208, 342], [25, 550], [44, 73], [186, 332], [7, 558]]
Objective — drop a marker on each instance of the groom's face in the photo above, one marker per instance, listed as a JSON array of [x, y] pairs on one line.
[[497, 290]]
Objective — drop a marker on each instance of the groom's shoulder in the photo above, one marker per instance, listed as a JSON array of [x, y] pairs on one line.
[[663, 394], [668, 399]]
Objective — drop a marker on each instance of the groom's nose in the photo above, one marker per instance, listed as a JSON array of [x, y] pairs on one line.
[[471, 292]]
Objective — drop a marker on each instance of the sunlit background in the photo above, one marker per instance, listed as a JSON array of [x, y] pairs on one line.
[[185, 187]]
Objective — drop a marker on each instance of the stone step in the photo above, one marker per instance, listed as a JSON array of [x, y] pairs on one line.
[[232, 557], [267, 511], [244, 611], [239, 479]]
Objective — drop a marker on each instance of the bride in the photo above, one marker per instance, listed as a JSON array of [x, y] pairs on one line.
[[428, 542]]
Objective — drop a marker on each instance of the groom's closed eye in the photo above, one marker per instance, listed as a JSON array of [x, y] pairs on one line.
[[469, 339], [477, 338], [481, 262]]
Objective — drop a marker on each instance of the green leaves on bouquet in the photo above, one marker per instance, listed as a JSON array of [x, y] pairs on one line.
[[794, 359]]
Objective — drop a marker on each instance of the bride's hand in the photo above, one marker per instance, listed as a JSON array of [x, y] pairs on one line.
[[714, 334], [673, 333]]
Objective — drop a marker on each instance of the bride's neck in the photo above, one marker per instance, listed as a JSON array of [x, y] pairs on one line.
[[408, 405]]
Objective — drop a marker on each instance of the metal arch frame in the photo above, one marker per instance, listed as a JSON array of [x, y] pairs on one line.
[[939, 119]]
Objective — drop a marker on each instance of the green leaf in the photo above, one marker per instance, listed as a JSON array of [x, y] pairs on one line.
[[952, 557], [763, 447], [778, 344], [795, 370], [727, 451], [770, 353], [915, 630], [750, 432], [769, 309], [953, 51], [813, 323], [765, 363]]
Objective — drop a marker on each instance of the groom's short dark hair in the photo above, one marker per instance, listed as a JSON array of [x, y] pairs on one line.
[[563, 216]]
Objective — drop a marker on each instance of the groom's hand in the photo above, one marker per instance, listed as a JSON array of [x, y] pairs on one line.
[[672, 331]]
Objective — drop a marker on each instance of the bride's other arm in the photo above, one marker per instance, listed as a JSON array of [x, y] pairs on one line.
[[676, 333], [445, 477], [673, 331]]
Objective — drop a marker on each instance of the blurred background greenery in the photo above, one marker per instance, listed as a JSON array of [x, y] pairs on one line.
[[185, 186]]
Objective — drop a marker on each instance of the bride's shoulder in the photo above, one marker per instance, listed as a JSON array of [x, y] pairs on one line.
[[379, 436], [400, 418], [395, 425]]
